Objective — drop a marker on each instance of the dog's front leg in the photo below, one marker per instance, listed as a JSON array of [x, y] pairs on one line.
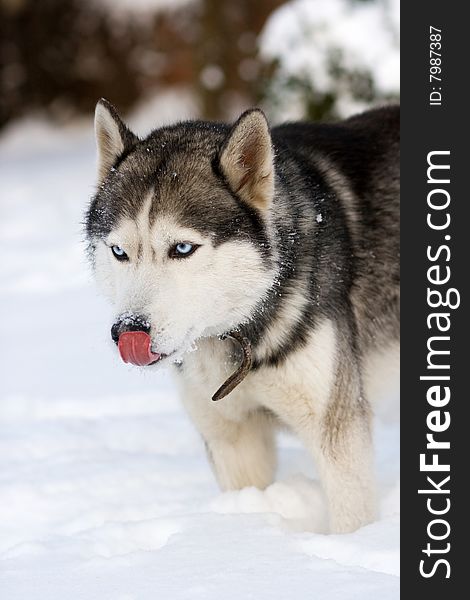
[[241, 450], [318, 394], [245, 455], [341, 442], [346, 474]]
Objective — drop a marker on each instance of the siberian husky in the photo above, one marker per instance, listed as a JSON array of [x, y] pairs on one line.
[[277, 249]]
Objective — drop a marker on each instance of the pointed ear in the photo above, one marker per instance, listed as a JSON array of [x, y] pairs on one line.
[[112, 137], [246, 160]]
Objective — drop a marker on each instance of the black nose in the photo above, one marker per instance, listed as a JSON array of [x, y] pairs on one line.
[[129, 323]]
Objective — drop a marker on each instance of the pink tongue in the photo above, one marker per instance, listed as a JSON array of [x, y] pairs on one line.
[[134, 348]]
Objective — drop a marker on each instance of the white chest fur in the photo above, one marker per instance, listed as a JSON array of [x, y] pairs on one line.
[[300, 385]]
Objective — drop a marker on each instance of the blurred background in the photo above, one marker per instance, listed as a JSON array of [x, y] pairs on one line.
[[301, 58]]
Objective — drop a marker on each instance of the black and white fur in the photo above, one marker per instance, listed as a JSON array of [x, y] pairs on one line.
[[296, 237]]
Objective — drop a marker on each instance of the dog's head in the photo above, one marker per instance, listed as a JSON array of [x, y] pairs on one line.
[[179, 230]]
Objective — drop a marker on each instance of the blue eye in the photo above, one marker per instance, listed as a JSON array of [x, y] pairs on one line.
[[119, 253], [182, 250]]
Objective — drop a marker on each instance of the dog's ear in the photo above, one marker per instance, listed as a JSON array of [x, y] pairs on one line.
[[246, 160], [113, 138]]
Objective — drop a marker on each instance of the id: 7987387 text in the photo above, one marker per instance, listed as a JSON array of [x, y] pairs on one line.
[[435, 68]]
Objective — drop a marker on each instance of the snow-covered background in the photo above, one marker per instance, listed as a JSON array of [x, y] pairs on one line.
[[105, 492], [340, 52]]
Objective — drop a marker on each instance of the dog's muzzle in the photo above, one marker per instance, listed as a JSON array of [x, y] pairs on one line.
[[132, 335]]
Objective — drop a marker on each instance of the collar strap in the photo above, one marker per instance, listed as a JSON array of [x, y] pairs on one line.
[[239, 375]]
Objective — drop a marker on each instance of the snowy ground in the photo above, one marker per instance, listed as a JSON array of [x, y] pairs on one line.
[[104, 487]]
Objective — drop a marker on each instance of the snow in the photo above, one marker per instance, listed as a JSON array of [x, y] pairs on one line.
[[305, 35], [105, 491], [163, 108], [140, 7]]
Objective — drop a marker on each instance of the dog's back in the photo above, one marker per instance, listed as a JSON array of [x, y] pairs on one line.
[[359, 159]]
